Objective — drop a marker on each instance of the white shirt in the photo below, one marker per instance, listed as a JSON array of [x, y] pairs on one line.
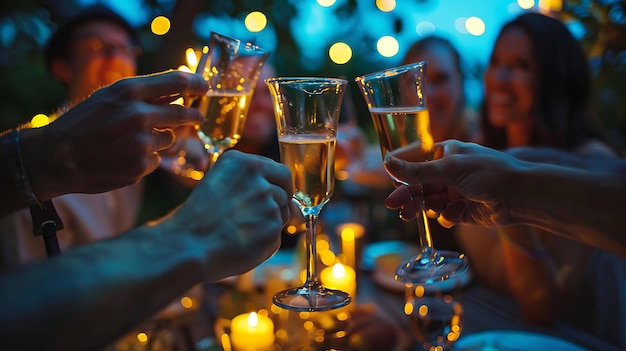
[[86, 218]]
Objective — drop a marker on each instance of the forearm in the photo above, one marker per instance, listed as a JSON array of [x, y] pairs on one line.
[[582, 205], [102, 290]]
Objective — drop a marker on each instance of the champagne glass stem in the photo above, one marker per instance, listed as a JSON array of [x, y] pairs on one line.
[[423, 229], [426, 240], [312, 278]]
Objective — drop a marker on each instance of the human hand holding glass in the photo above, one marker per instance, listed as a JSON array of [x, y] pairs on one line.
[[232, 69], [307, 114], [396, 101]]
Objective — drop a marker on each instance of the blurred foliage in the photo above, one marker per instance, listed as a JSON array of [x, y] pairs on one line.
[[605, 43]]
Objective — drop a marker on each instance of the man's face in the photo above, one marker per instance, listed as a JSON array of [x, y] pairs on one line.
[[100, 53]]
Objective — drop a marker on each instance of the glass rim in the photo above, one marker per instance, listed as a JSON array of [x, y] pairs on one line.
[[240, 44], [306, 80], [396, 69]]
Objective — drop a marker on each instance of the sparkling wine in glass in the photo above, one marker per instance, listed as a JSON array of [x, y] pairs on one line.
[[396, 102], [307, 114], [436, 321], [232, 69]]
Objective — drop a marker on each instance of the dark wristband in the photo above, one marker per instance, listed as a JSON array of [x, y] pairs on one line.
[[15, 164]]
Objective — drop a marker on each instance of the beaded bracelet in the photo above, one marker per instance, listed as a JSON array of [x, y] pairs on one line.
[[15, 163]]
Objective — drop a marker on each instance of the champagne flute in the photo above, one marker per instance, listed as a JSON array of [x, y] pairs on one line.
[[232, 69], [307, 112], [436, 321], [396, 101]]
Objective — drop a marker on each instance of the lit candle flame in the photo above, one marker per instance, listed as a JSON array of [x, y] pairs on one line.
[[339, 271], [253, 320]]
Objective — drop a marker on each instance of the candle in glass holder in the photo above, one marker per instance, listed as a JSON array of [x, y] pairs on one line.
[[252, 332]]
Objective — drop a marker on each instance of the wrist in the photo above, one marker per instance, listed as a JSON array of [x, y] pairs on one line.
[[525, 186], [15, 164], [48, 163], [178, 240], [35, 157]]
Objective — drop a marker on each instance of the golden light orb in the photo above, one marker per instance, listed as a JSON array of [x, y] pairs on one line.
[[160, 25], [255, 21], [475, 26], [386, 5], [326, 3], [340, 53], [39, 120], [387, 46]]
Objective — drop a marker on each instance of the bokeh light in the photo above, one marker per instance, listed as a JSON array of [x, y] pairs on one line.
[[475, 26], [186, 302], [386, 5], [340, 53], [459, 25], [255, 21], [387, 46], [326, 3], [39, 120], [526, 4], [547, 6], [142, 337], [192, 58], [160, 25], [424, 28]]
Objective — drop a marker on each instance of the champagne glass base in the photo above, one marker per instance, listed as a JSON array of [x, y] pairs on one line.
[[311, 299], [423, 269]]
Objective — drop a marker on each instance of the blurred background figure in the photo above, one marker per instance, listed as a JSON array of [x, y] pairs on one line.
[[259, 132], [450, 116], [537, 88], [93, 49]]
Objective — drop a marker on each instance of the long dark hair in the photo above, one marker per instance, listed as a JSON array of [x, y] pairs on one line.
[[564, 117]]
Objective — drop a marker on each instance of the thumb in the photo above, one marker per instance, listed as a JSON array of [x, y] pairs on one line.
[[412, 172]]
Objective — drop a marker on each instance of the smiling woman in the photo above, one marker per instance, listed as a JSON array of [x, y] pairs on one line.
[[538, 96]]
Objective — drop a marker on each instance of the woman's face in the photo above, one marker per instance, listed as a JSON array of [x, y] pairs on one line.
[[444, 89], [511, 79]]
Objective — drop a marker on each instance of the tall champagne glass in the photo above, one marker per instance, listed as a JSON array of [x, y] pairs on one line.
[[232, 69], [396, 101], [307, 112]]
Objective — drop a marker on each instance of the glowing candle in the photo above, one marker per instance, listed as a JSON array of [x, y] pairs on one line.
[[340, 277], [349, 233], [252, 332]]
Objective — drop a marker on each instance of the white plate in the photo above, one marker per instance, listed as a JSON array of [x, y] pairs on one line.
[[513, 340], [384, 257], [374, 250]]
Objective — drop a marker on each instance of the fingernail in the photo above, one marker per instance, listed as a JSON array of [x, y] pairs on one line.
[[393, 162]]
